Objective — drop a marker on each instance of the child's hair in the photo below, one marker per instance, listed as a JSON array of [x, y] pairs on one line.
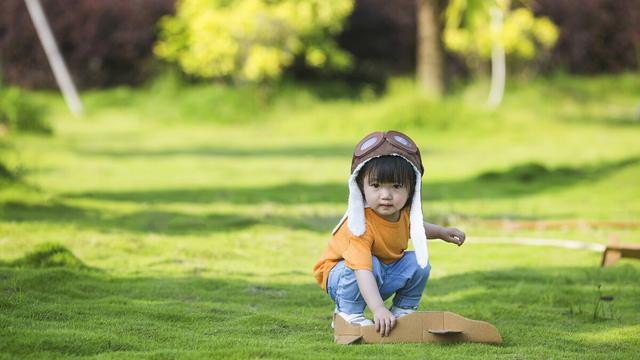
[[388, 169]]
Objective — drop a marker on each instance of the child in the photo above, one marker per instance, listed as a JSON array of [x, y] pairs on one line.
[[365, 261]]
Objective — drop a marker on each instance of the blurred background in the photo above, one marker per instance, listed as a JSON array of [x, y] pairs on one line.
[[509, 96], [111, 43], [208, 146]]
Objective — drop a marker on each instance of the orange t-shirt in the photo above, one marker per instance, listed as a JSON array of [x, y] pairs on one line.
[[384, 239]]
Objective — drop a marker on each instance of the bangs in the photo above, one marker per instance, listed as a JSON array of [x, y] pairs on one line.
[[388, 169]]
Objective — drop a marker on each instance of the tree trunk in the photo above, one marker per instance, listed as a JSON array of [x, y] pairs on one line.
[[429, 51], [56, 61], [498, 66]]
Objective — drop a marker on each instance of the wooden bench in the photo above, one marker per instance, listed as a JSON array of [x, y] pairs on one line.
[[614, 251]]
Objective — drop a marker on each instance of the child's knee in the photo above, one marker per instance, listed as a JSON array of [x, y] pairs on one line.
[[423, 272], [410, 257]]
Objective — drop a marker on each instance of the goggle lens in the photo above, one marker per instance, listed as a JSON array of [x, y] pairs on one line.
[[368, 143], [371, 142], [402, 140]]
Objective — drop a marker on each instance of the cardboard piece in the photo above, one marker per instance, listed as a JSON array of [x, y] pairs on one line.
[[614, 251], [428, 326]]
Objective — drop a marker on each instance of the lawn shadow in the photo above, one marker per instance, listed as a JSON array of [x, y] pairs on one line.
[[290, 193], [219, 151], [522, 180], [157, 221], [151, 221], [517, 181], [532, 308]]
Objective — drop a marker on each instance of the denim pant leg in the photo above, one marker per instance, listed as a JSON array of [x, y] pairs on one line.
[[343, 289], [406, 279]]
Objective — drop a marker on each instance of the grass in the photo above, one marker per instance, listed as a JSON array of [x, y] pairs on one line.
[[177, 221]]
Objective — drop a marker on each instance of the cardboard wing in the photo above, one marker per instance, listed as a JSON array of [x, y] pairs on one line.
[[428, 326]]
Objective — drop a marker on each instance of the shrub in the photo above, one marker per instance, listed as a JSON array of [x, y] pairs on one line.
[[253, 40], [19, 113], [6, 173], [468, 29], [48, 255], [104, 43]]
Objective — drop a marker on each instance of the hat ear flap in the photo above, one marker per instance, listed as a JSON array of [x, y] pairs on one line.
[[355, 209], [416, 227], [355, 212]]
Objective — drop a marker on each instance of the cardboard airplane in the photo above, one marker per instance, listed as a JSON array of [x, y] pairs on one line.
[[428, 326], [615, 250]]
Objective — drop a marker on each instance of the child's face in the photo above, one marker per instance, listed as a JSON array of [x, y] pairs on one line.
[[386, 199]]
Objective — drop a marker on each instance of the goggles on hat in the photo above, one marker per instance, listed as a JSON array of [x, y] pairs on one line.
[[374, 140], [385, 143]]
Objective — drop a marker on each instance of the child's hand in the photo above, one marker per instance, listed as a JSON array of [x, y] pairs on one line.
[[384, 320], [453, 236]]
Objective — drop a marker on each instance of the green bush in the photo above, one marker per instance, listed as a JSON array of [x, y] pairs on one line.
[[5, 173], [48, 255], [19, 113], [253, 40]]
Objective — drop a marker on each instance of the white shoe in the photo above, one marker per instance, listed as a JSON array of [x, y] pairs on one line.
[[354, 319], [399, 312]]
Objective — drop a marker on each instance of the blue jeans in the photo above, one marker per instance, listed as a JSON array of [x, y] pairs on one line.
[[403, 277]]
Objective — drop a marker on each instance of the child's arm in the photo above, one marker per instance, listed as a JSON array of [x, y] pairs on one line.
[[382, 317], [451, 235]]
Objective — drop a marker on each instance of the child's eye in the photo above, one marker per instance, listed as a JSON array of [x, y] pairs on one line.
[[375, 185], [397, 186]]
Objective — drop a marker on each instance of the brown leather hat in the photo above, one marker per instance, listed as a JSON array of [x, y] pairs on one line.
[[382, 143]]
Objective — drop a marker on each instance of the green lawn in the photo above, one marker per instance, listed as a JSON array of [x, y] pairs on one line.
[[177, 221]]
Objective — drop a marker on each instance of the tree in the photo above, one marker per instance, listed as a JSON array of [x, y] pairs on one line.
[[429, 55], [253, 40], [491, 29], [65, 83]]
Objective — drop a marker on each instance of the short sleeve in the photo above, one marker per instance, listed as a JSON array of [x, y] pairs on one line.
[[357, 256]]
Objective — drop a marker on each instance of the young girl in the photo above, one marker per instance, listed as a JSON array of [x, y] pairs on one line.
[[366, 260]]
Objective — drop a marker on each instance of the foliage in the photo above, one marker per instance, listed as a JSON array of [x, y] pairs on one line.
[[468, 29], [18, 112], [104, 43], [253, 40], [48, 255], [5, 173]]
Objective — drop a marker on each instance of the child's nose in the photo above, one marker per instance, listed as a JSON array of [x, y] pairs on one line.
[[386, 193]]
